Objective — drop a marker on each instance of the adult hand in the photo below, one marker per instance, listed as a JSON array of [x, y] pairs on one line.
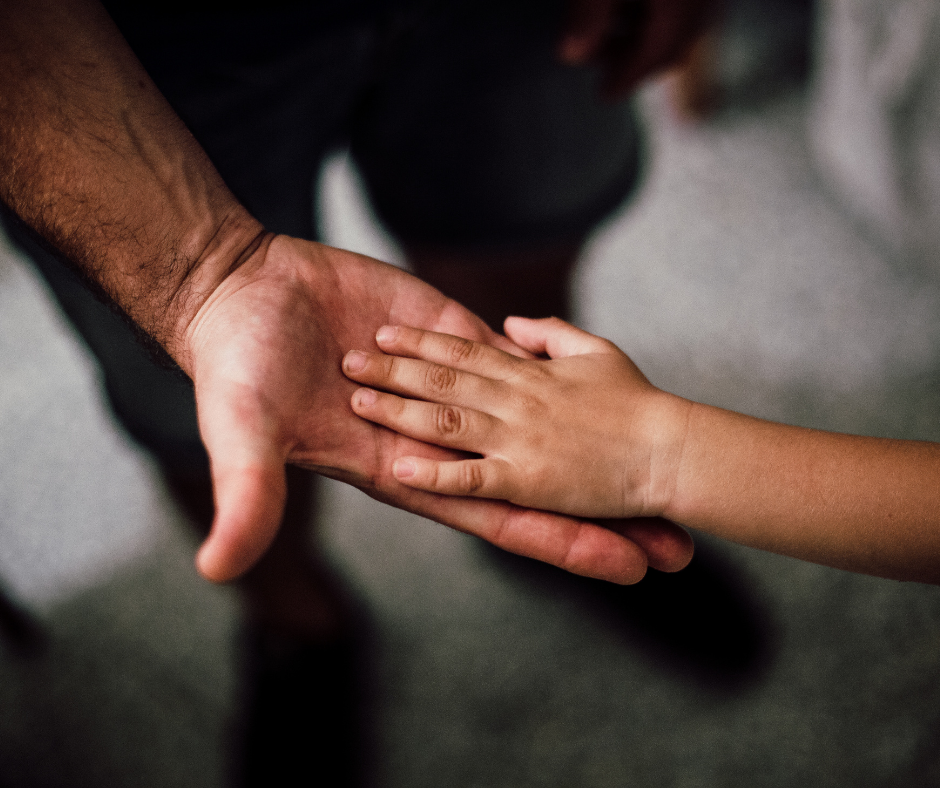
[[630, 40], [265, 350], [94, 160]]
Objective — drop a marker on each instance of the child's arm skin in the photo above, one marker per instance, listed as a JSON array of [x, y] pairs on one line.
[[584, 433]]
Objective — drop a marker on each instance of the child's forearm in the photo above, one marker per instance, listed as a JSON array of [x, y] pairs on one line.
[[864, 504], [544, 430]]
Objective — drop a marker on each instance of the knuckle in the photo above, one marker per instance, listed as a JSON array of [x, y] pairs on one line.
[[538, 374], [530, 408], [440, 380], [450, 421], [461, 350], [470, 477]]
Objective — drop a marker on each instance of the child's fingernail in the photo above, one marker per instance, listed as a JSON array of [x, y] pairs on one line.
[[366, 397], [403, 469], [386, 334], [355, 361]]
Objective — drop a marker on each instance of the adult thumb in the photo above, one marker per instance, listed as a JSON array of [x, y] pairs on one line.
[[248, 481]]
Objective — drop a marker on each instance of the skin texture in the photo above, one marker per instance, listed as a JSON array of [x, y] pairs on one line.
[[520, 414], [267, 347], [95, 162], [583, 432]]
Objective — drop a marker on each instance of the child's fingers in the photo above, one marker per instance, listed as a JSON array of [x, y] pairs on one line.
[[416, 378], [578, 546], [442, 425], [553, 337], [474, 478], [447, 350]]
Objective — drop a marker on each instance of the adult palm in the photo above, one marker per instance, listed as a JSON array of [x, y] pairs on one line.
[[266, 349]]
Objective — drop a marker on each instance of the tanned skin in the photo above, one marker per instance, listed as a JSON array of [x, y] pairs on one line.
[[582, 431], [94, 160]]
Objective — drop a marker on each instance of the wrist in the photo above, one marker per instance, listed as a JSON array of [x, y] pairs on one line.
[[95, 161], [663, 427], [215, 252]]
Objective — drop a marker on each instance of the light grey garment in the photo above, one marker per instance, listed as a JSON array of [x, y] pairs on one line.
[[875, 118]]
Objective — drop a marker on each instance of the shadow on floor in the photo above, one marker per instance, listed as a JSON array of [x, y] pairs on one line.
[[702, 625]]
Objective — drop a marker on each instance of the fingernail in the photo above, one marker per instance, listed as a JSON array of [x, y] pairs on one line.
[[366, 397], [403, 469], [355, 361], [386, 334]]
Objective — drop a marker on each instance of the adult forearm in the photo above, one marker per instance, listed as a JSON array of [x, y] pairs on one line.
[[865, 504], [97, 163]]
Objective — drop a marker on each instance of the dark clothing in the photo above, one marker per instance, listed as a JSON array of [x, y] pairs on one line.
[[466, 129]]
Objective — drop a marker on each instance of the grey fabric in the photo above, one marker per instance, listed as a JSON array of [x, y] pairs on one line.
[[875, 120]]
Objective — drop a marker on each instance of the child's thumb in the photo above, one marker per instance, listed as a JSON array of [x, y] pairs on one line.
[[553, 337]]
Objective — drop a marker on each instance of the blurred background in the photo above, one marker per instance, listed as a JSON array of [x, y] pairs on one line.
[[780, 259]]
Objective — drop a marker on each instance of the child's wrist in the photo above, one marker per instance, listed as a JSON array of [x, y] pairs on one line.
[[665, 422]]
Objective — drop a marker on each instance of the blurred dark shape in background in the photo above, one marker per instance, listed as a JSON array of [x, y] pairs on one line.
[[752, 51], [20, 632], [701, 626]]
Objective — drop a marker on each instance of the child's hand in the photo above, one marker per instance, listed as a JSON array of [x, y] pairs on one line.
[[583, 433]]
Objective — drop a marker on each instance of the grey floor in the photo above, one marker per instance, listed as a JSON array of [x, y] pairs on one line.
[[734, 279]]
